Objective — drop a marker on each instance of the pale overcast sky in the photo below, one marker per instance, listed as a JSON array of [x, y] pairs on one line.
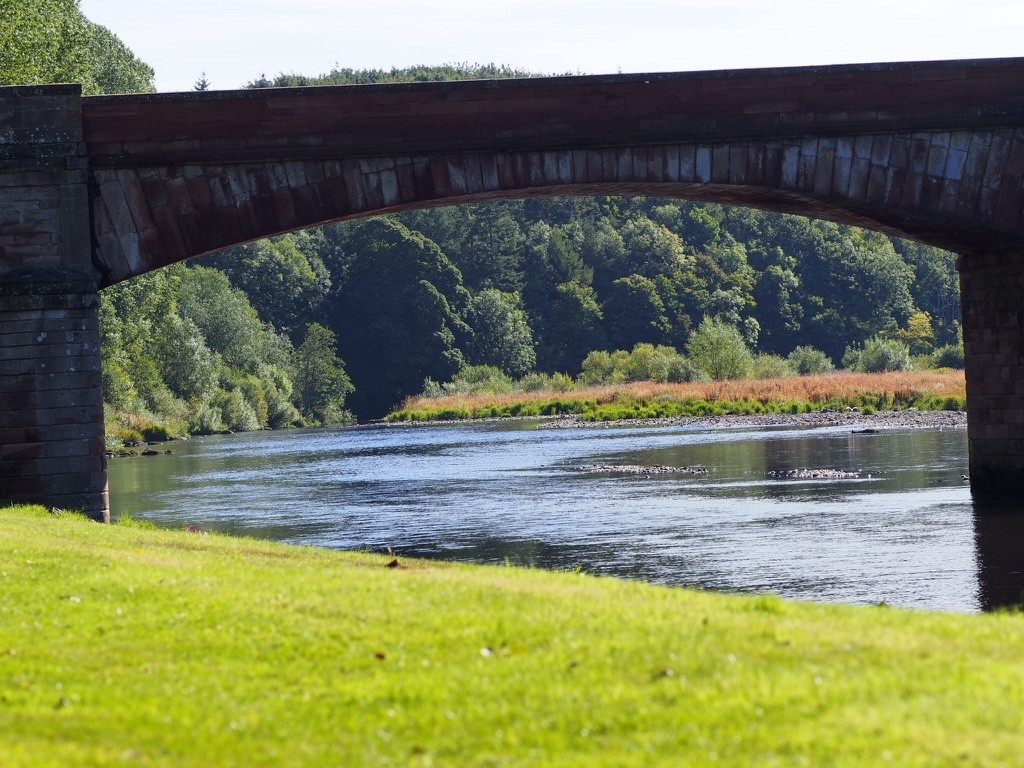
[[235, 41]]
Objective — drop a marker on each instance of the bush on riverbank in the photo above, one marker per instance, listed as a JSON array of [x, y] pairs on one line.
[[175, 648]]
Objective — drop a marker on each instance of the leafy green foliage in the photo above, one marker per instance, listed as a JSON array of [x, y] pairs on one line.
[[719, 350], [807, 361], [320, 378], [635, 312], [501, 333], [284, 278], [768, 366], [878, 355], [397, 314], [949, 356], [415, 74], [646, 362], [181, 346], [50, 41]]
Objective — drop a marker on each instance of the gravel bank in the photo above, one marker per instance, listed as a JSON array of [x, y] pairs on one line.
[[852, 418]]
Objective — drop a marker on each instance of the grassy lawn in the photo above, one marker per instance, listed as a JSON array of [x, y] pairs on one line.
[[924, 390], [121, 645]]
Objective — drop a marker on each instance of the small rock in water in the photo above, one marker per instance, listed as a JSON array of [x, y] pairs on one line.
[[813, 474], [639, 469]]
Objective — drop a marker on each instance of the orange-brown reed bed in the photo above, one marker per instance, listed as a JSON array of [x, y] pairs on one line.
[[897, 389]]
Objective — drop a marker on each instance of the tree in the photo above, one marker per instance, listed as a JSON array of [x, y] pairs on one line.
[[492, 254], [635, 313], [50, 41], [572, 327], [779, 312], [718, 349], [397, 314], [651, 249], [228, 322], [284, 277], [501, 333], [186, 364], [44, 41], [919, 334], [115, 69], [320, 378], [202, 84]]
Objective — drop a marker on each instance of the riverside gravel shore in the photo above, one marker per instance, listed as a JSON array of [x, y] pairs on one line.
[[853, 418]]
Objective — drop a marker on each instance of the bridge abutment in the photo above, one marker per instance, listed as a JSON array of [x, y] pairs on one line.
[[51, 402], [992, 296], [51, 405]]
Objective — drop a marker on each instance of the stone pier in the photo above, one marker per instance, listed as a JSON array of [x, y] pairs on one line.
[[992, 295], [51, 403]]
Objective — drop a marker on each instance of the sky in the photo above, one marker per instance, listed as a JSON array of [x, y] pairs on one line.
[[234, 41]]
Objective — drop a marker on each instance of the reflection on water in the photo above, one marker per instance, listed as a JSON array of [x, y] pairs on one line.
[[902, 531], [999, 534]]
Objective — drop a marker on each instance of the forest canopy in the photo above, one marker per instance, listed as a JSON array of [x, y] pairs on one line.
[[50, 41]]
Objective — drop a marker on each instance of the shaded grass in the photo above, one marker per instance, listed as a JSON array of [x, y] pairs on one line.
[[149, 647], [924, 390]]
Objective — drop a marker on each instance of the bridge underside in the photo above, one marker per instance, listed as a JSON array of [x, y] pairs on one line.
[[101, 190], [948, 189]]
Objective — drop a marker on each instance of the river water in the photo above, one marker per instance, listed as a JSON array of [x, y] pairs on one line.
[[900, 529]]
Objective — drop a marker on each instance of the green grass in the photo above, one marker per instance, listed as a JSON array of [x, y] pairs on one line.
[[123, 645]]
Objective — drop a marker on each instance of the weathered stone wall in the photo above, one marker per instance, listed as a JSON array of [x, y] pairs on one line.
[[992, 295], [51, 405]]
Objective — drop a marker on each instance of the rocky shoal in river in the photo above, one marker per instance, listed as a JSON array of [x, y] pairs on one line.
[[853, 418]]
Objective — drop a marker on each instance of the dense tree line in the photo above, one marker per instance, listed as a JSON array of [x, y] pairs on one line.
[[294, 329], [50, 41], [540, 284]]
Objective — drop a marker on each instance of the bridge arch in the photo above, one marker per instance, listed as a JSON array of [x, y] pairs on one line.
[[101, 189], [939, 187]]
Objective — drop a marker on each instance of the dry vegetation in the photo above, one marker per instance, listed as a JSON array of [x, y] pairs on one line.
[[899, 386]]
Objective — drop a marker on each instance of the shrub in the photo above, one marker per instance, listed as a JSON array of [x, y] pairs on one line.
[[206, 420], [878, 356], [481, 379], [545, 382], [718, 349], [237, 412], [771, 367], [949, 356], [682, 369], [126, 436], [808, 361], [598, 367], [154, 433]]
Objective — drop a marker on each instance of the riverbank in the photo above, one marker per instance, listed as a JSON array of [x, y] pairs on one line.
[[853, 418], [792, 395], [154, 647]]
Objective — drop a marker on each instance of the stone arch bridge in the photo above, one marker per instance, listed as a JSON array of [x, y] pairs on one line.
[[96, 190]]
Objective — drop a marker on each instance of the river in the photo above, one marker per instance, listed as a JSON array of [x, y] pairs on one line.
[[899, 529]]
